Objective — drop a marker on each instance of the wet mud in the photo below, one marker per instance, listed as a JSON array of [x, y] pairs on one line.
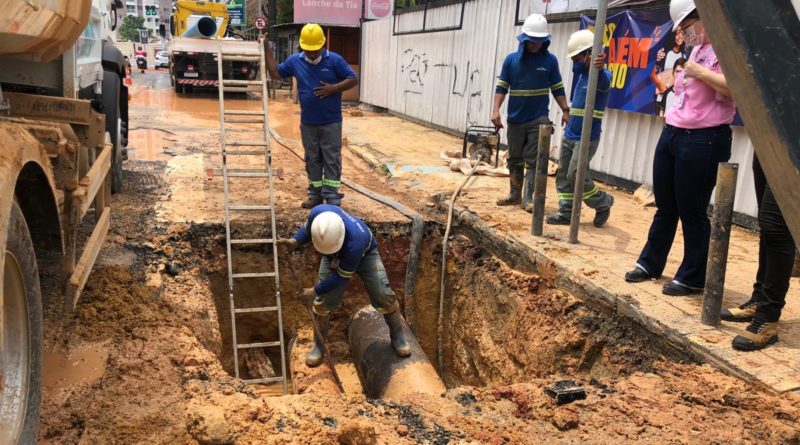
[[147, 356]]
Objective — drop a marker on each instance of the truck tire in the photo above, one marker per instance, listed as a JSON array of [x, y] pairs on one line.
[[111, 106], [178, 88], [21, 354]]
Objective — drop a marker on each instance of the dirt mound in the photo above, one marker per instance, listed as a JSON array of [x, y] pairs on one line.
[[114, 302]]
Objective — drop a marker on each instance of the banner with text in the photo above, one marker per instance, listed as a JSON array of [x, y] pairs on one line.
[[642, 52], [643, 55], [328, 12]]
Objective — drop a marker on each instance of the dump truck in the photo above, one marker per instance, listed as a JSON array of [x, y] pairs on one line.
[[198, 28], [63, 119]]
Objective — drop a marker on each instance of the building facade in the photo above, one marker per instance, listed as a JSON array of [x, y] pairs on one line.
[[447, 79]]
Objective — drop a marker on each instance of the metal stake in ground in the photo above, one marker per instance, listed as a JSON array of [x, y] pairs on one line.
[[586, 129], [540, 190], [317, 331], [720, 238]]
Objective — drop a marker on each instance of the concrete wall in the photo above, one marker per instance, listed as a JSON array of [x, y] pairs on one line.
[[448, 79]]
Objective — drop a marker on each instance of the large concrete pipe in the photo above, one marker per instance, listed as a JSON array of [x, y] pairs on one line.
[[304, 379], [383, 374]]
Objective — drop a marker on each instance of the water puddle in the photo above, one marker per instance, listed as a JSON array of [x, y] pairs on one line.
[[82, 365], [200, 103], [149, 145]]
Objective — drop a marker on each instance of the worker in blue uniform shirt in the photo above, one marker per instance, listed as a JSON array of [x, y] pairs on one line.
[[348, 247], [529, 76], [580, 51], [321, 76]]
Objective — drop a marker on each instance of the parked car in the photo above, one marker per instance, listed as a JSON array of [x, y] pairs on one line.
[[162, 59]]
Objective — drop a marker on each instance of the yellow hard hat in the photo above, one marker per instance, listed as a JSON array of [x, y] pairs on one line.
[[311, 37]]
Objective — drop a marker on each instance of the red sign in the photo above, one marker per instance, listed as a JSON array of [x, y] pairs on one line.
[[328, 12], [260, 23], [378, 9]]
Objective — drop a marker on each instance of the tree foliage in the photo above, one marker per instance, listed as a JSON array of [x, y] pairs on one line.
[[285, 11], [131, 24]]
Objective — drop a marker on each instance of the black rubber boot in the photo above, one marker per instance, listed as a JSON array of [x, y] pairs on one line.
[[315, 355], [515, 179], [310, 203], [399, 342], [527, 189]]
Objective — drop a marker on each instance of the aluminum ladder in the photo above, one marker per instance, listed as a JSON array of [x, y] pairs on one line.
[[249, 149]]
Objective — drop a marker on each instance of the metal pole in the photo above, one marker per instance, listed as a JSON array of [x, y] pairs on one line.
[[586, 130], [720, 238], [259, 14], [540, 189]]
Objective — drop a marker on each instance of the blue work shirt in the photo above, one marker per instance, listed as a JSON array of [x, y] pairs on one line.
[[576, 112], [331, 69], [529, 78], [358, 240]]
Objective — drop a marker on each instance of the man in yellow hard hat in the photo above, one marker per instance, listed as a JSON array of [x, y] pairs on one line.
[[322, 76]]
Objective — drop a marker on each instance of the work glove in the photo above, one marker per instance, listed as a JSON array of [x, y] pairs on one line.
[[289, 244], [307, 295]]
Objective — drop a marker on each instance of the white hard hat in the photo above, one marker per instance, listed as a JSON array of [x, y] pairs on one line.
[[579, 42], [534, 29], [327, 233], [679, 10]]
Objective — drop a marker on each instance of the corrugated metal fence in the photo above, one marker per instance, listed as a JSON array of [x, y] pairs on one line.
[[448, 79]]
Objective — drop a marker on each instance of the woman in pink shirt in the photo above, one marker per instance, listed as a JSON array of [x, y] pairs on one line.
[[695, 139]]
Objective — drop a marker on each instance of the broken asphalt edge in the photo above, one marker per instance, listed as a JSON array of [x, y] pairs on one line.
[[365, 154], [526, 258]]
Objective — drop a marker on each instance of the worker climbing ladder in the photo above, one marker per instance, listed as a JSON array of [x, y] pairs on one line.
[[249, 150]]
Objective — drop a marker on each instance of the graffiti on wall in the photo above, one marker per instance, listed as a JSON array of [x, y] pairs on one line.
[[465, 82], [414, 69]]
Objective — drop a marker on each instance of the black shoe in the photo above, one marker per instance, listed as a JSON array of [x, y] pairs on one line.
[[557, 220], [679, 290], [637, 275], [743, 313], [310, 203]]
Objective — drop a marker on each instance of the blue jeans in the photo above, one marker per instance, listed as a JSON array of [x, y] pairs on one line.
[[376, 282], [684, 175]]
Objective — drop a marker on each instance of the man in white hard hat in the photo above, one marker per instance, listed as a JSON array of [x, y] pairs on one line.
[[529, 76], [348, 247], [580, 51]]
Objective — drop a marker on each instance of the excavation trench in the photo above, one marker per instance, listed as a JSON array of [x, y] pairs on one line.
[[501, 326]]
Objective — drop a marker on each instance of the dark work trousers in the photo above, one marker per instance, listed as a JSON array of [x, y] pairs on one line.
[[523, 143], [775, 252], [323, 156], [684, 175]]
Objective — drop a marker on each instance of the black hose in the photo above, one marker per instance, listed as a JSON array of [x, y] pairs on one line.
[[417, 231]]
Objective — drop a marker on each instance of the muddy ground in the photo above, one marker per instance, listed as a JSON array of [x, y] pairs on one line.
[[147, 356]]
